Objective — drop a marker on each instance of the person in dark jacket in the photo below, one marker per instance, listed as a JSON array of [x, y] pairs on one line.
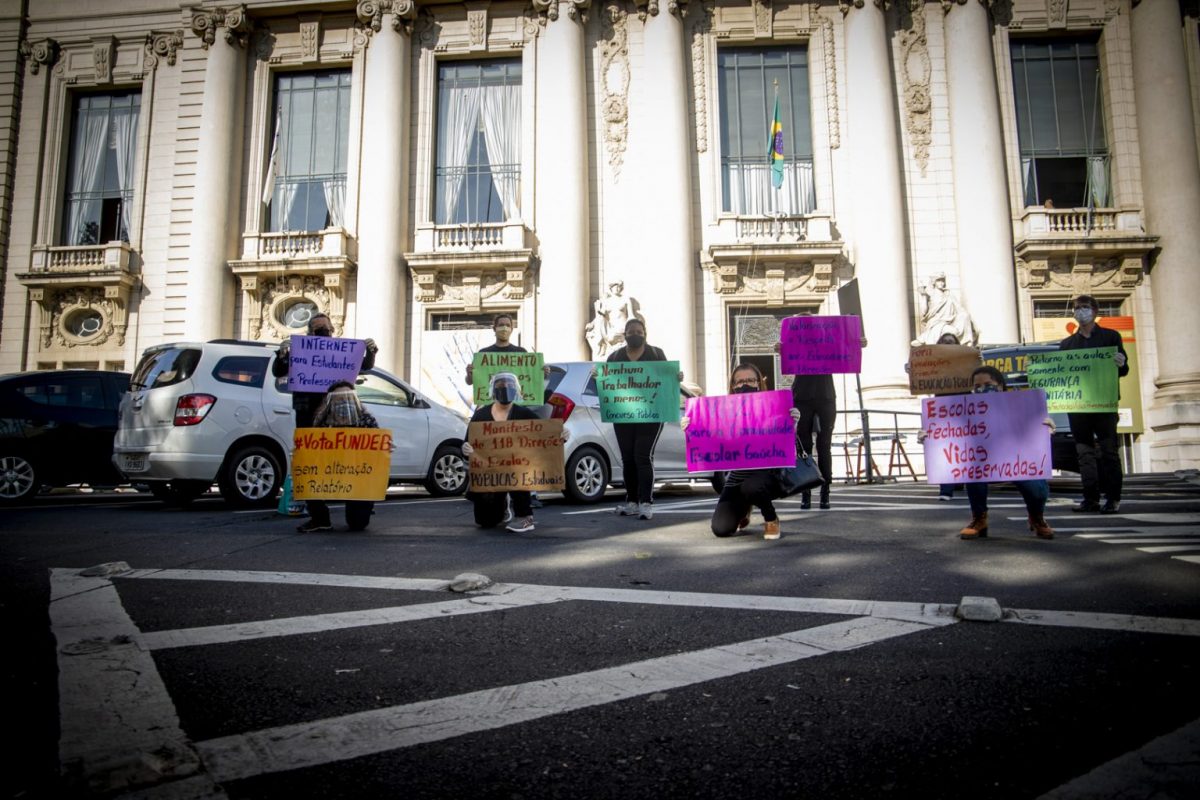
[[341, 408], [305, 405], [1096, 433], [637, 440], [816, 400]]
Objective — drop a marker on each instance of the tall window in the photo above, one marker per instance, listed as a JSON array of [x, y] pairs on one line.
[[100, 167], [478, 171], [1060, 125], [308, 168], [748, 79]]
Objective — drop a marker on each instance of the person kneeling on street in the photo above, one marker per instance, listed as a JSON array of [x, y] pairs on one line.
[[1035, 493], [746, 488], [341, 408], [495, 508]]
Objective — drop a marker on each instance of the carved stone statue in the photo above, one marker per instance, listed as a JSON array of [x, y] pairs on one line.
[[941, 313], [606, 332]]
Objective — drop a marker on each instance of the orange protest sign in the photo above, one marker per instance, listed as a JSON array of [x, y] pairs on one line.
[[341, 463], [942, 368], [517, 455]]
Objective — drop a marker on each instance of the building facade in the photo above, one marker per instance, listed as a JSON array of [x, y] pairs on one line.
[[216, 170]]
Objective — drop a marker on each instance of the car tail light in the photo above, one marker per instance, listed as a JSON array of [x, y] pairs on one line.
[[191, 409], [563, 406]]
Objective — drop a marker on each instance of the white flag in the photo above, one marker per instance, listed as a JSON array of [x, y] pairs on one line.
[[268, 189]]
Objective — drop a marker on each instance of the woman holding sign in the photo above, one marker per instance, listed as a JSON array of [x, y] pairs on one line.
[[637, 440], [747, 488], [492, 508]]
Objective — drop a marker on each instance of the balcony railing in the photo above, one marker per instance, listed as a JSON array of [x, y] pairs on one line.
[[772, 228], [110, 257], [297, 245], [1072, 223], [471, 235]]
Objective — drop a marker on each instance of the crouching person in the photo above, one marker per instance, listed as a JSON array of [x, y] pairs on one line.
[[341, 408]]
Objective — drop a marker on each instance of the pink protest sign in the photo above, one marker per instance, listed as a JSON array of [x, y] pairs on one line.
[[820, 345], [740, 431], [986, 438]]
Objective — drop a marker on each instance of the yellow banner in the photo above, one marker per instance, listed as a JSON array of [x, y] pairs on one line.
[[517, 455], [341, 463]]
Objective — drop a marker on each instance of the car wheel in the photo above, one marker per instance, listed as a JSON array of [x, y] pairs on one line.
[[18, 479], [447, 472], [179, 493], [251, 477], [587, 475], [718, 481]]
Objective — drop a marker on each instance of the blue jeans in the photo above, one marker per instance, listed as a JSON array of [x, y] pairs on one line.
[[1034, 493]]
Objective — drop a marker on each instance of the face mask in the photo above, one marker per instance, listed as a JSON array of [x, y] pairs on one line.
[[343, 410], [744, 389], [987, 388], [322, 331], [635, 341], [1084, 315], [504, 393]]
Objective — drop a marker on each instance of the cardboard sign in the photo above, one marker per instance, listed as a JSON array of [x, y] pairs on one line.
[[1076, 380], [638, 391], [517, 455], [741, 431], [942, 368], [986, 438], [317, 362], [526, 366], [341, 463], [820, 345]]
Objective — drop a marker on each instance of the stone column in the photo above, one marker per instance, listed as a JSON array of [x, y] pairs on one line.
[[562, 182], [382, 297], [879, 247], [224, 33], [985, 244], [664, 281], [1171, 188]]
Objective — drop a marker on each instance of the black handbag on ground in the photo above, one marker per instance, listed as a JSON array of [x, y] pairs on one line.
[[803, 477]]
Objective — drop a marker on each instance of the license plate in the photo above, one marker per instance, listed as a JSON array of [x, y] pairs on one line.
[[133, 463]]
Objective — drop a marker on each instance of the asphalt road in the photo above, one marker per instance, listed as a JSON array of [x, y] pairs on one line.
[[611, 657]]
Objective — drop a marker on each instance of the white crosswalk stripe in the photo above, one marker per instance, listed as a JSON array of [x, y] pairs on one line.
[[1180, 537]]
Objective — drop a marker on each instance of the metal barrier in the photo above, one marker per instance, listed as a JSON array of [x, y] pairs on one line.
[[898, 458]]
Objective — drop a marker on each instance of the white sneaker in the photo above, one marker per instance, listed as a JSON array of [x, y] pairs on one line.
[[508, 513], [520, 525], [627, 510], [944, 497], [646, 511]]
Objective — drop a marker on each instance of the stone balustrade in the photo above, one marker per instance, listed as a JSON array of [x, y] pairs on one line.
[[110, 257]]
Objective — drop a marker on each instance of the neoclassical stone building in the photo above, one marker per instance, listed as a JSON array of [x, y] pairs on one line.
[[185, 171]]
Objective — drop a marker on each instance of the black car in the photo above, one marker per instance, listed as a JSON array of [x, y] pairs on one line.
[[1010, 359], [57, 428]]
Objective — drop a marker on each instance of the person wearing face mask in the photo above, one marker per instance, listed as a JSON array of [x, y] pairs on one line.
[[1096, 433], [746, 488], [1035, 493], [637, 440], [341, 408], [493, 508], [305, 404]]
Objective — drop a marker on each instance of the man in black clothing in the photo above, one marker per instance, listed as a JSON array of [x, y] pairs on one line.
[[305, 404], [1096, 433], [816, 400]]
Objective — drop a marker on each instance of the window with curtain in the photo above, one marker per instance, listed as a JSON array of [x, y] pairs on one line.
[[100, 168], [1060, 123], [747, 79], [478, 173], [306, 175]]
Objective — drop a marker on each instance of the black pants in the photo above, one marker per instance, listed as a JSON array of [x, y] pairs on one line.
[[743, 491], [490, 507], [818, 418], [636, 440], [1099, 460], [358, 512]]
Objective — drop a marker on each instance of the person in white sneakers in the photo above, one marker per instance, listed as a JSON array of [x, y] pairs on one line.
[[493, 508]]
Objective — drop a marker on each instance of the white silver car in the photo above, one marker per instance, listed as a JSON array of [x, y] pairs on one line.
[[211, 412], [593, 460]]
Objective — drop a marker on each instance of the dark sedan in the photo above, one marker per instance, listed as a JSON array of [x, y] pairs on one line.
[[57, 428]]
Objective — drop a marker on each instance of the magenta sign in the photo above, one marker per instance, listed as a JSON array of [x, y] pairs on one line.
[[986, 438], [740, 431], [820, 345]]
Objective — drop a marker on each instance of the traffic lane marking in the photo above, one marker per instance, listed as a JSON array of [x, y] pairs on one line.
[[365, 733], [1149, 540], [1175, 549]]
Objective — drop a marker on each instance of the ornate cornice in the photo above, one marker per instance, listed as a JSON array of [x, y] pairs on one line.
[[370, 14], [846, 5], [163, 45], [205, 22], [548, 10], [43, 52]]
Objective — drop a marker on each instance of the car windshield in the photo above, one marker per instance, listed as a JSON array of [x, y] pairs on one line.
[[165, 367]]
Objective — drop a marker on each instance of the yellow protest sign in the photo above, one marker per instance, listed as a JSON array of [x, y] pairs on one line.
[[517, 455], [942, 368], [341, 463]]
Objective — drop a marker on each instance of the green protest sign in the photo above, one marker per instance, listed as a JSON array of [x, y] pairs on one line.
[[526, 366], [1076, 380], [638, 391]]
